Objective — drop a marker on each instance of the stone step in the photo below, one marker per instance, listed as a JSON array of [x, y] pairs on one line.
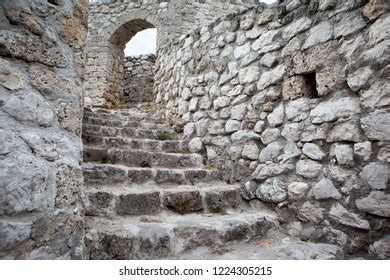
[[129, 132], [93, 120], [214, 197], [124, 114], [274, 245], [169, 146], [139, 158], [168, 235], [103, 174]]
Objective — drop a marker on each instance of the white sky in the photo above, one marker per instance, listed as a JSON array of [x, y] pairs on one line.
[[144, 42]]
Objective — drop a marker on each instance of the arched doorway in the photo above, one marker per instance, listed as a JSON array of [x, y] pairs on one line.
[[118, 41], [105, 79]]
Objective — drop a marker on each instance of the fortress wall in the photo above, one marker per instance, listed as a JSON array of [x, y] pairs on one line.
[[112, 24], [41, 101], [292, 100]]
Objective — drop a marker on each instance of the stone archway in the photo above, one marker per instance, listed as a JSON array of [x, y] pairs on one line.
[[105, 56]]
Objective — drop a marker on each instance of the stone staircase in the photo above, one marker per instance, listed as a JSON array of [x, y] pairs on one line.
[[148, 197]]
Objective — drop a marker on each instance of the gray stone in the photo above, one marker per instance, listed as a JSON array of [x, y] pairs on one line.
[[238, 112], [359, 78], [271, 77], [349, 24], [308, 168], [272, 190], [344, 154], [271, 152], [346, 131], [376, 175], [313, 151], [217, 127], [310, 213], [232, 126], [218, 200], [244, 135], [276, 118], [296, 27], [138, 204], [381, 248], [250, 151], [183, 201], [292, 131], [249, 74], [333, 109], [195, 145], [298, 110], [363, 150], [318, 34], [379, 30], [341, 215], [270, 135], [13, 233], [297, 190], [376, 126], [377, 96], [241, 51], [325, 189], [221, 102], [376, 203], [267, 42], [264, 171]]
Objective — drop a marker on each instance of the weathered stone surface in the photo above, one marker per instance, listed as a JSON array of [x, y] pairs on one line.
[[264, 171], [297, 190], [320, 33], [138, 204], [296, 27], [363, 150], [313, 151], [308, 168], [343, 216], [376, 203], [183, 201], [344, 154], [310, 213], [219, 200], [270, 135], [345, 131], [13, 233], [376, 126], [250, 151], [325, 189], [349, 24], [376, 175], [359, 78], [381, 248], [232, 126], [195, 145], [242, 136], [271, 152], [276, 118], [272, 190], [271, 77], [333, 109]]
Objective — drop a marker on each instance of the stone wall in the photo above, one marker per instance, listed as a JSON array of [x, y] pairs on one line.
[[293, 101], [139, 79], [41, 77], [113, 23]]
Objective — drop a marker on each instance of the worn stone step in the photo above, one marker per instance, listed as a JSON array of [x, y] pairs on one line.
[[102, 174], [168, 235], [168, 146], [125, 114], [139, 133], [214, 197], [274, 245], [139, 158], [93, 120]]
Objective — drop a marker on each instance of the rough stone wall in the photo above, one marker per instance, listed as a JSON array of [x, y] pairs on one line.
[[41, 77], [293, 100], [139, 79], [113, 23]]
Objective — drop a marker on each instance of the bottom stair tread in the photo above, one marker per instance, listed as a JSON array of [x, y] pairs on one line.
[[167, 235]]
